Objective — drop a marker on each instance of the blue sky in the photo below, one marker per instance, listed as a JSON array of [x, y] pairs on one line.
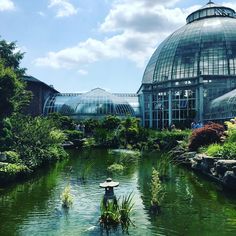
[[78, 45]]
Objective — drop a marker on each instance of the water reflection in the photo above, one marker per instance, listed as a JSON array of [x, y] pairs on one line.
[[192, 205]]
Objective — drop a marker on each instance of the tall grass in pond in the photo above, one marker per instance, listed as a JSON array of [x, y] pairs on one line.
[[157, 192], [118, 212], [67, 197]]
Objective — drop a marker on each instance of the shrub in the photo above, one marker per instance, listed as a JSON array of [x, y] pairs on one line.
[[209, 134], [73, 134], [62, 122], [36, 140], [116, 168], [89, 142], [229, 151], [231, 136], [12, 157], [110, 122], [214, 150], [14, 169]]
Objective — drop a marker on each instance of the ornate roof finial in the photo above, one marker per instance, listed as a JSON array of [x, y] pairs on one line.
[[210, 2]]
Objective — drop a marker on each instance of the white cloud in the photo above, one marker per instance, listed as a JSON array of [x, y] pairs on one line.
[[41, 13], [6, 5], [63, 8], [230, 4], [82, 72], [137, 26]]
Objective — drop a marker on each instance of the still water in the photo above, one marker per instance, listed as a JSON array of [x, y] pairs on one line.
[[192, 205]]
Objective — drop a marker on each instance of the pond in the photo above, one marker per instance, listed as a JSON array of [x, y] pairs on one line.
[[192, 205]]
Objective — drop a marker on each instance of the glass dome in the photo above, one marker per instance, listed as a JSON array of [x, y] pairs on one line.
[[223, 107], [206, 45], [94, 104]]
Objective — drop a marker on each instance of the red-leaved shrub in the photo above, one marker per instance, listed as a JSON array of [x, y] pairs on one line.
[[210, 133]]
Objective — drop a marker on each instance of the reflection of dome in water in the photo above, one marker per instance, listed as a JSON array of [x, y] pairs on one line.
[[97, 102], [193, 66]]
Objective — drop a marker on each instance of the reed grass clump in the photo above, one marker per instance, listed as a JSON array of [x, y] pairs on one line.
[[157, 192], [67, 197], [118, 212]]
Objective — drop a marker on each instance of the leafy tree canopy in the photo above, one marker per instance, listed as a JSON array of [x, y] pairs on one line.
[[13, 95]]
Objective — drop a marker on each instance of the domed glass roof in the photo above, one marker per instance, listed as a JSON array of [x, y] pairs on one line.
[[206, 45], [97, 102]]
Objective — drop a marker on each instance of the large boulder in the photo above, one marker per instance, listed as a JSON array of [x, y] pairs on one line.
[[3, 157], [203, 163], [229, 180], [222, 166]]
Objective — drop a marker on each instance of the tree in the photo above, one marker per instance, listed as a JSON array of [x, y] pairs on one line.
[[13, 95]]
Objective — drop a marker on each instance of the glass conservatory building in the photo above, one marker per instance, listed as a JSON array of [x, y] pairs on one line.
[[190, 69], [94, 104]]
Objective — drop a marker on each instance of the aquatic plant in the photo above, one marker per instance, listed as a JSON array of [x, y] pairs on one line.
[[67, 197], [163, 164], [125, 209], [85, 171], [110, 215], [115, 212], [157, 191], [116, 168]]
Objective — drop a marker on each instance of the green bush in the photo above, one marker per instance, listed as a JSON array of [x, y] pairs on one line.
[[36, 140], [231, 136], [12, 157], [229, 151], [14, 169], [116, 168], [89, 142], [73, 134], [62, 122], [214, 150]]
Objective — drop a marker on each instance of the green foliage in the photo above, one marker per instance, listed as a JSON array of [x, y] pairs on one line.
[[231, 136], [36, 140], [67, 197], [91, 125], [229, 151], [14, 169], [5, 135], [214, 150], [62, 122], [89, 142], [168, 139], [10, 57], [110, 215], [110, 122], [125, 209], [157, 191], [13, 95], [114, 213], [73, 134], [209, 134], [12, 157], [118, 168]]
